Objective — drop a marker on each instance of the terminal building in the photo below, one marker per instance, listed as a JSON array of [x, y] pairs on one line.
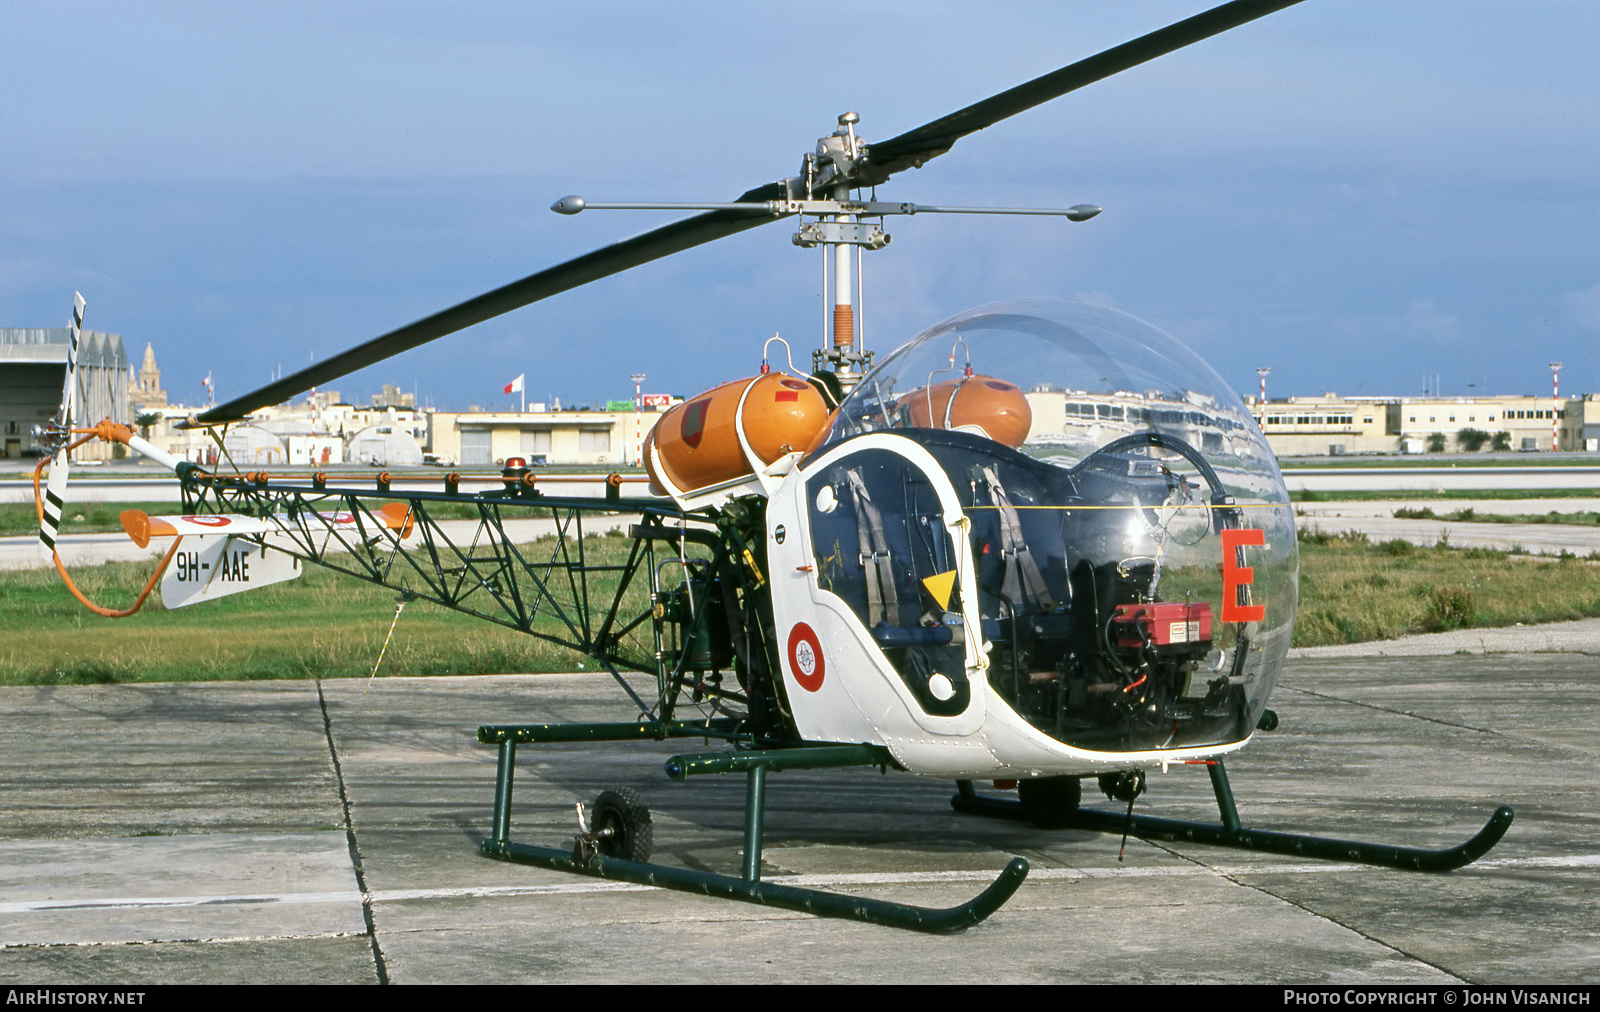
[[590, 438], [1333, 425]]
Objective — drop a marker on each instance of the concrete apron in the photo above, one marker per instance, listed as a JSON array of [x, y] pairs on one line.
[[254, 878]]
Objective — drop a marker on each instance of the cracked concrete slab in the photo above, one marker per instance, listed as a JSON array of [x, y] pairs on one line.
[[1409, 750]]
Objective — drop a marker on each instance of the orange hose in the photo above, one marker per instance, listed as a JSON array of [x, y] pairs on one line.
[[108, 612], [38, 508]]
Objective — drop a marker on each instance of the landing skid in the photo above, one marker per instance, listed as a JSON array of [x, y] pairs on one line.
[[587, 856], [1232, 834]]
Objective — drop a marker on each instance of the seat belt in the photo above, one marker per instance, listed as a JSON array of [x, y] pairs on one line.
[[1022, 576], [882, 603]]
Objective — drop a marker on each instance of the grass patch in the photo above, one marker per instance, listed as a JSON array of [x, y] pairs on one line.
[[323, 625], [1382, 495], [326, 625], [1468, 515], [1391, 461], [1352, 591], [80, 518]]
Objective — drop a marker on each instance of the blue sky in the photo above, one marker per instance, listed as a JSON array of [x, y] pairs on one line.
[[1359, 194]]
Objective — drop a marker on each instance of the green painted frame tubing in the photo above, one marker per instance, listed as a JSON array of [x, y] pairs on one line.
[[749, 889], [654, 730], [1323, 848], [808, 901], [681, 767]]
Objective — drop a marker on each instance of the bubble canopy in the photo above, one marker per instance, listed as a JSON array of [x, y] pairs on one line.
[[1133, 545], [1105, 373]]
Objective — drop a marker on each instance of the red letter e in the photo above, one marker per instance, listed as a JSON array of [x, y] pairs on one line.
[[1236, 577]]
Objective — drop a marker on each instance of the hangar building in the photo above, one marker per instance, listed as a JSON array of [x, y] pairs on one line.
[[33, 363]]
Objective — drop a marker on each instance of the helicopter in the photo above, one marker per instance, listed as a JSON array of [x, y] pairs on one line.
[[1041, 543]]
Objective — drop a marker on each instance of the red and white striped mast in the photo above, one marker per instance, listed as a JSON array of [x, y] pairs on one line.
[[1555, 409]]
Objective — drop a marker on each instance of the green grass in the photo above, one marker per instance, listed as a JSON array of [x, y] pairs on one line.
[[1444, 460], [323, 625], [326, 625], [1472, 516], [1353, 590], [1364, 495], [80, 518]]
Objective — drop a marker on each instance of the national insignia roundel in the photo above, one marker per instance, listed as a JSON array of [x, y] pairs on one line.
[[805, 657]]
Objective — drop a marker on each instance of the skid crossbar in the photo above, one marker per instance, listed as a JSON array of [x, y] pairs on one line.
[[1232, 833], [748, 887]]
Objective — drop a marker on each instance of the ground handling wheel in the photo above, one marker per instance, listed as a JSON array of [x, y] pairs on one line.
[[1050, 802], [621, 825]]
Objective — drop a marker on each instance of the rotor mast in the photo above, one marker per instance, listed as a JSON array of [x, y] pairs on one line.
[[838, 155]]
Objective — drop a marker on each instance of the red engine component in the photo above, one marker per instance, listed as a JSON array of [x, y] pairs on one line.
[[1164, 624]]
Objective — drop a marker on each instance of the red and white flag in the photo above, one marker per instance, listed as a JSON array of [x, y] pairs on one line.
[[515, 386]]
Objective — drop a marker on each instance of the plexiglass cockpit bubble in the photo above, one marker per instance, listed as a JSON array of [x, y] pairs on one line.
[[1133, 547]]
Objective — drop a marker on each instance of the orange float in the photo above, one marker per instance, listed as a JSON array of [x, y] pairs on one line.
[[696, 444], [992, 407]]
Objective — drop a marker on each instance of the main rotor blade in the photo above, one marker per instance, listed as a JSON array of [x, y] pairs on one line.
[[915, 147], [882, 160], [608, 260]]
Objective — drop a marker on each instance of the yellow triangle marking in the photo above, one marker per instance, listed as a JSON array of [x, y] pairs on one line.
[[940, 586]]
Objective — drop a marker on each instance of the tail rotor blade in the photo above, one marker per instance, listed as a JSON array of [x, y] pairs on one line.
[[69, 390], [55, 490], [55, 496]]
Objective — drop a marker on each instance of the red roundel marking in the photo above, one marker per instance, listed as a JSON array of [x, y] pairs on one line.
[[805, 657], [208, 520]]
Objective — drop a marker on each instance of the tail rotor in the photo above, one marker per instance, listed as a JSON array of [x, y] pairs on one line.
[[57, 438]]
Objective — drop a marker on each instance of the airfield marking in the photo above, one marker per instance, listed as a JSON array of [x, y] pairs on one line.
[[847, 879], [112, 903]]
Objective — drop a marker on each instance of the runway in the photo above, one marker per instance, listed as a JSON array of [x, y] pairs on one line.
[[326, 832]]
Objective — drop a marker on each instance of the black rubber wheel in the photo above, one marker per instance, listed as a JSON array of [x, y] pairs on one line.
[[1050, 802], [621, 824]]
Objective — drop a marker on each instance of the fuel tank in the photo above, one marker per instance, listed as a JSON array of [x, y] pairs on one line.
[[697, 444], [982, 405]]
